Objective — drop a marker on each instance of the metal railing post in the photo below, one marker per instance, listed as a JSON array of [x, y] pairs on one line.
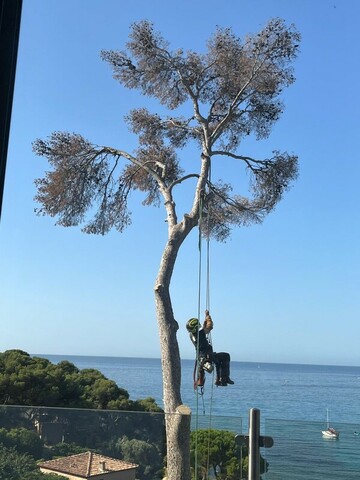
[[254, 441], [254, 444]]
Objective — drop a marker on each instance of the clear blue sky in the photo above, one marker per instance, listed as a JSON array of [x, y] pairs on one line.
[[285, 291]]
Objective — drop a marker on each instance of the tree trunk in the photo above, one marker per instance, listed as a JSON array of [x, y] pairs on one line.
[[177, 415]]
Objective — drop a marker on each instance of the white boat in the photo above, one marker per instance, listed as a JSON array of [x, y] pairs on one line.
[[330, 432]]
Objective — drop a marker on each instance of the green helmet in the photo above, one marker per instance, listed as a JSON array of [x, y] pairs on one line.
[[192, 325]]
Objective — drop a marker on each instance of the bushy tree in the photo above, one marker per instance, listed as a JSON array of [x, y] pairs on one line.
[[214, 101], [65, 449], [20, 466], [219, 456], [23, 441], [147, 455], [27, 380]]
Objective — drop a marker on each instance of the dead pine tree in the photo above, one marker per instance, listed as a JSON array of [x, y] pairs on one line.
[[231, 91]]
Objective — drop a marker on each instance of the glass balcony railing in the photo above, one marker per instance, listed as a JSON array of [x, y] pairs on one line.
[[80, 442], [37, 440]]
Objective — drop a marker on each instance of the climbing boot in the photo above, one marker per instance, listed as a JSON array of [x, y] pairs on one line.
[[226, 374], [220, 382]]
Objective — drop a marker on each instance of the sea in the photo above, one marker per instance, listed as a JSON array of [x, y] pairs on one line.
[[293, 400]]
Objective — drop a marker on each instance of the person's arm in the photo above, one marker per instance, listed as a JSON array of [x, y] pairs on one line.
[[208, 323]]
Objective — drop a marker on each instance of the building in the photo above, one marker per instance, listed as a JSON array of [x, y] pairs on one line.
[[90, 465]]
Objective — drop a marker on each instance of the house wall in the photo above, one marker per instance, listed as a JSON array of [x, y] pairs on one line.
[[123, 475], [70, 477]]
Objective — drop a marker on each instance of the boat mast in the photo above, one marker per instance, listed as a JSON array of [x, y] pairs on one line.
[[327, 419]]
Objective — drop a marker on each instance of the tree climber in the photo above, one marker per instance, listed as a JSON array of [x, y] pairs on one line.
[[207, 358]]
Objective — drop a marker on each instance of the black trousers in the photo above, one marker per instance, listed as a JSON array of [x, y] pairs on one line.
[[222, 364]]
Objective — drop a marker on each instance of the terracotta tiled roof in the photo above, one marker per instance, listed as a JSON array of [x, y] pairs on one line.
[[86, 464]]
